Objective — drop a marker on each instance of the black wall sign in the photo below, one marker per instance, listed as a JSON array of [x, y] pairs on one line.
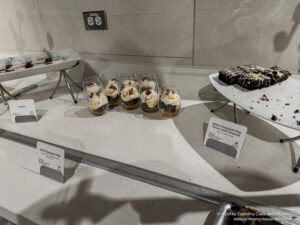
[[95, 20]]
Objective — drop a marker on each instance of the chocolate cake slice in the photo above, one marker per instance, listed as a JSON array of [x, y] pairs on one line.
[[230, 75], [254, 81]]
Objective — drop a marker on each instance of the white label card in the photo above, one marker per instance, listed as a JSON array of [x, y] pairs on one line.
[[22, 110], [225, 136], [51, 157]]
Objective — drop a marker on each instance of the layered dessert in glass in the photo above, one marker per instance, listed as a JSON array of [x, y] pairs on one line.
[[112, 88], [130, 97], [97, 101], [149, 100], [147, 82], [169, 102]]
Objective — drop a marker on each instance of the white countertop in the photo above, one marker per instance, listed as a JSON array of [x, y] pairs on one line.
[[169, 146]]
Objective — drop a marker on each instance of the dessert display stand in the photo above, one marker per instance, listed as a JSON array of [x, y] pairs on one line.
[[69, 59], [234, 110], [4, 91], [236, 119], [285, 105], [67, 78]]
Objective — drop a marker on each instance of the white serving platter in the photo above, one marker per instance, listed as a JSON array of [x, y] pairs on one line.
[[284, 99], [71, 58]]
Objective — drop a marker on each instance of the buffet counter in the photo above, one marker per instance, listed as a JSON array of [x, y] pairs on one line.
[[170, 146]]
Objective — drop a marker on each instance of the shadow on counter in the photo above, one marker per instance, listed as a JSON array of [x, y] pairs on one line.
[[85, 205], [264, 163]]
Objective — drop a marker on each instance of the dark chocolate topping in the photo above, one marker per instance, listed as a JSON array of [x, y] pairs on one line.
[[130, 91], [113, 87], [148, 91]]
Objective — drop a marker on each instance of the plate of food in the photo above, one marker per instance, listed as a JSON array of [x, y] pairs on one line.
[[271, 93], [39, 63]]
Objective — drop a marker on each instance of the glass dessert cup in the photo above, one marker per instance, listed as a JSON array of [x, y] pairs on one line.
[[148, 81], [96, 101], [112, 88], [91, 85], [128, 80], [149, 100], [169, 102], [130, 97]]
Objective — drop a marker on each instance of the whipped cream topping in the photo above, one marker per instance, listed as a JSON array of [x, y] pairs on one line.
[[150, 97], [129, 93], [92, 88], [96, 100], [170, 97], [129, 83], [147, 83], [113, 82], [112, 90]]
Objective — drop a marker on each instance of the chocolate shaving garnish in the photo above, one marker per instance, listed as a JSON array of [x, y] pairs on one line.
[[28, 64], [146, 78], [91, 95], [114, 79], [168, 91], [129, 83], [287, 103], [90, 84], [296, 111], [274, 117], [130, 91], [113, 87], [148, 91], [264, 98], [98, 94], [173, 92]]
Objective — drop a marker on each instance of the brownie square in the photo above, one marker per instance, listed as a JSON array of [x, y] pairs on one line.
[[286, 73], [250, 68], [230, 75], [276, 76]]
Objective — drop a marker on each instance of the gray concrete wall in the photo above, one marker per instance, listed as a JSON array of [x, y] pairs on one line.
[[177, 32]]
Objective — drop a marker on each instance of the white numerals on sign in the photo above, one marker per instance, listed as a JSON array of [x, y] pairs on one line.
[[90, 21], [98, 20]]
